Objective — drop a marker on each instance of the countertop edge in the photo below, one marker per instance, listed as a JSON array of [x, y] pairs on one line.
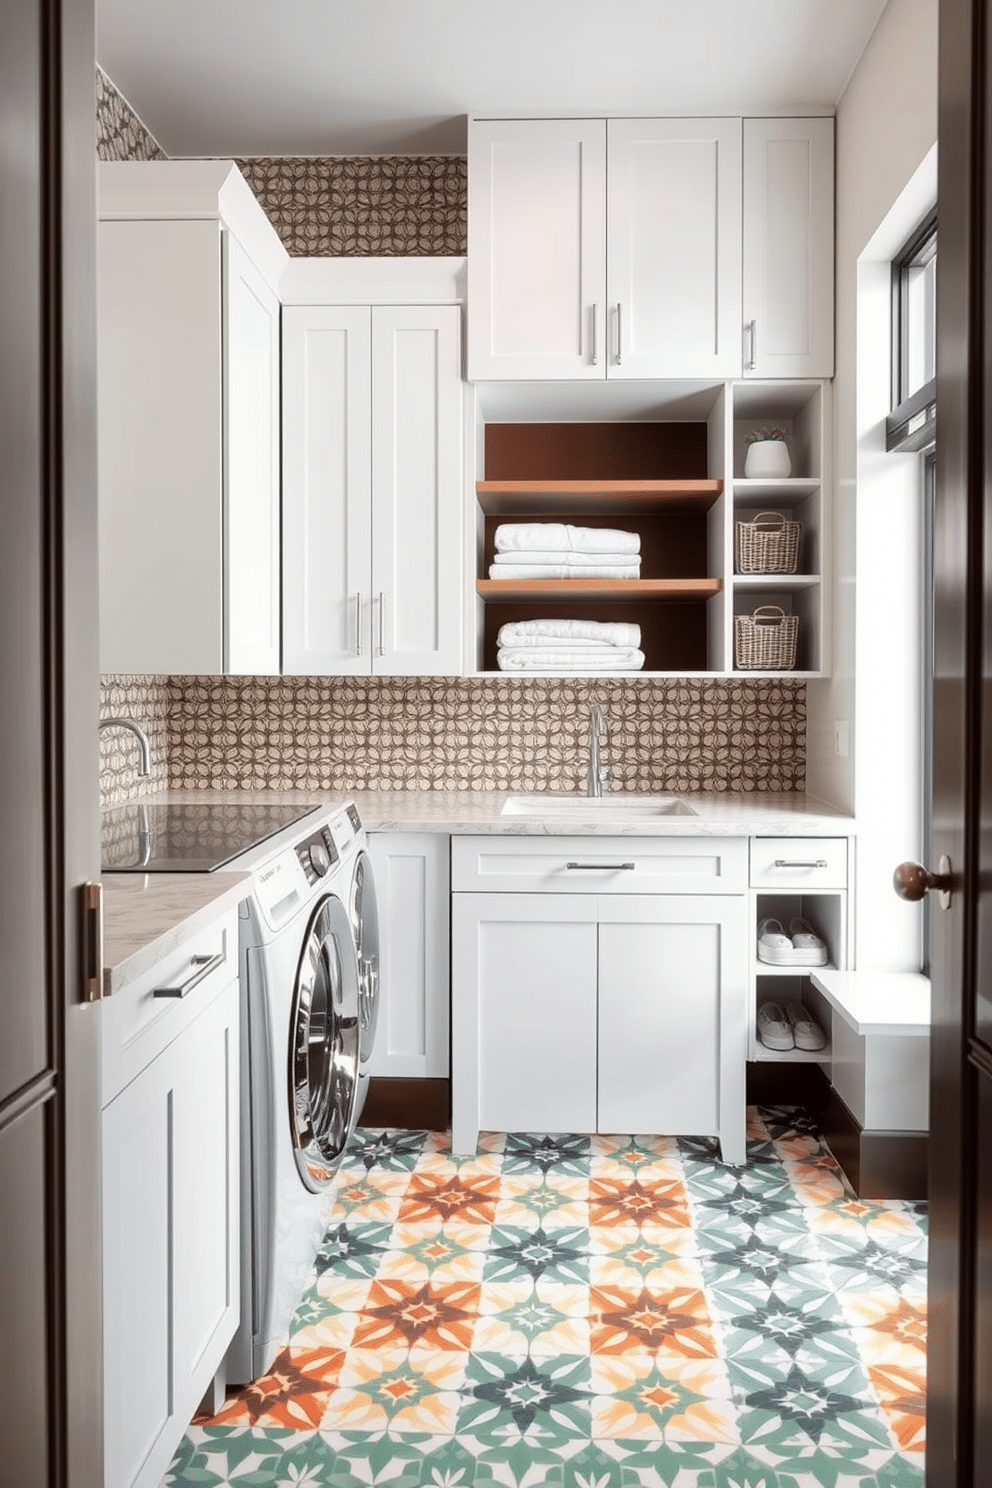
[[146, 917]]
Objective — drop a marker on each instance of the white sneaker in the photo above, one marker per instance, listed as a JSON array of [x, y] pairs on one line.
[[774, 946], [810, 948], [806, 1032], [774, 1029]]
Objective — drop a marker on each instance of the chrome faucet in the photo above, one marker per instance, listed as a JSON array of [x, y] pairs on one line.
[[598, 775], [145, 764]]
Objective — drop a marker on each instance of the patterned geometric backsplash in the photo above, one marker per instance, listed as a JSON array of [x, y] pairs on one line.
[[472, 733]]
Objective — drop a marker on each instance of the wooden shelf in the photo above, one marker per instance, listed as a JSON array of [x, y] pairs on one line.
[[542, 497], [625, 589]]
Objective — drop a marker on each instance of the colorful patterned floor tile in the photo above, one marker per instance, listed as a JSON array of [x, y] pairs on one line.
[[592, 1312]]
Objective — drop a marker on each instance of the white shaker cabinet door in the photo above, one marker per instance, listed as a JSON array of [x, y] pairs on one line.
[[672, 1017], [523, 997], [206, 1204], [327, 489], [160, 416], [171, 1168], [251, 466], [674, 247], [137, 1293], [416, 595], [536, 248], [789, 247], [412, 888]]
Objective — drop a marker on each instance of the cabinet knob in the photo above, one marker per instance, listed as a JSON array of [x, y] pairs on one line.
[[912, 881]]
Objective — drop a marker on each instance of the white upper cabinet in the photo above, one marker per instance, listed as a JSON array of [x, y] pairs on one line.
[[188, 421], [673, 247], [788, 247], [650, 248], [537, 248], [372, 470]]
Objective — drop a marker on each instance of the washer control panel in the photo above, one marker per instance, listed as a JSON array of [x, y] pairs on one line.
[[317, 854]]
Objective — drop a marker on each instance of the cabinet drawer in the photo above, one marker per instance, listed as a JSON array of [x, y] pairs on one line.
[[799, 862], [598, 865], [136, 1025]]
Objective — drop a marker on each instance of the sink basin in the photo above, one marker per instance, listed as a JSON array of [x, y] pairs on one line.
[[615, 807]]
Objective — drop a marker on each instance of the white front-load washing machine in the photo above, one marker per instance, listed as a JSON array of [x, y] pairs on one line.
[[364, 915], [301, 988]]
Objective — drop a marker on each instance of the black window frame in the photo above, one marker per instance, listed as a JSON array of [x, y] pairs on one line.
[[911, 424]]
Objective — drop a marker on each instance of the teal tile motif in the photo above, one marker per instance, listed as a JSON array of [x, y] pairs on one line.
[[592, 1312]]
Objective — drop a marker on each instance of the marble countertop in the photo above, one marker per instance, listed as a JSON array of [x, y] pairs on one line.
[[715, 813], [146, 916]]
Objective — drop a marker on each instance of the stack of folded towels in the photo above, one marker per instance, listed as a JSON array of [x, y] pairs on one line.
[[569, 646], [554, 550]]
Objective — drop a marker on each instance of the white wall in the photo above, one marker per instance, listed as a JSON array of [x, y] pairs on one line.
[[886, 134]]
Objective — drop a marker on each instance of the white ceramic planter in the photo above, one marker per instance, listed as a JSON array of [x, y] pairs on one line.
[[767, 459]]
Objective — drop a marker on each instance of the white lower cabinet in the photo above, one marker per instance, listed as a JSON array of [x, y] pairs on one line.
[[170, 1205], [599, 1010], [412, 889]]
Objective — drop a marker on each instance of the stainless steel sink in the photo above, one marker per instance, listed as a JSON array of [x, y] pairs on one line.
[[615, 807]]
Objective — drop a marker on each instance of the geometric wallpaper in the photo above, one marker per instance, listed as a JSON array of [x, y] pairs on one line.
[[456, 733]]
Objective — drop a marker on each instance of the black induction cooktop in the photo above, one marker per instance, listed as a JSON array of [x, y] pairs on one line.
[[188, 836]]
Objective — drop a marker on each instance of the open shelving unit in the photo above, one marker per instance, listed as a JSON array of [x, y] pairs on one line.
[[666, 462]]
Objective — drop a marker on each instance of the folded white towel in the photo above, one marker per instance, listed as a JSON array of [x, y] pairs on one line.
[[513, 537], [548, 659], [577, 561], [537, 632], [564, 571]]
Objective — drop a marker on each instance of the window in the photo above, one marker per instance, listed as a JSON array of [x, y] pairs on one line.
[[911, 424], [910, 427]]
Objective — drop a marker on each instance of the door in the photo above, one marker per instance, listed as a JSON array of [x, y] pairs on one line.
[[523, 1014], [415, 599], [49, 1102], [251, 466], [323, 1045], [959, 1411], [789, 247], [674, 247], [672, 1019], [327, 490], [412, 881], [537, 248]]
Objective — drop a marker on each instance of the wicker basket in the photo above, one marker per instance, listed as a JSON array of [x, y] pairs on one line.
[[766, 640], [768, 544]]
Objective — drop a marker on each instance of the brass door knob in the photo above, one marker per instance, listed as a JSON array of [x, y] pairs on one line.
[[912, 881]]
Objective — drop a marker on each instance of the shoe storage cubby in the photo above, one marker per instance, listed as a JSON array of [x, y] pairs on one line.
[[665, 461], [795, 879]]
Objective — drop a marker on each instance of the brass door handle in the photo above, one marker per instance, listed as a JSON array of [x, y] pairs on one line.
[[912, 881]]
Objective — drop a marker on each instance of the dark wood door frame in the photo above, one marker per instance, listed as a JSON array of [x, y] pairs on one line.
[[960, 1300], [50, 1362]]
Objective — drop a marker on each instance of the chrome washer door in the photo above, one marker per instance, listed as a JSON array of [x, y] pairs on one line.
[[365, 926], [323, 1045]]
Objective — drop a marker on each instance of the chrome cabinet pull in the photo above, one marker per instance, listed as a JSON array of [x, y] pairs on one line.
[[204, 966], [358, 625], [605, 867], [382, 624], [787, 863], [619, 332], [595, 338], [752, 342]]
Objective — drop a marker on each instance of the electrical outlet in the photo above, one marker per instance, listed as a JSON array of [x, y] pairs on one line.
[[842, 737]]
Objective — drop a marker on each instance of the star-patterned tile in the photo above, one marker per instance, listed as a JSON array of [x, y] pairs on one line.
[[592, 1312]]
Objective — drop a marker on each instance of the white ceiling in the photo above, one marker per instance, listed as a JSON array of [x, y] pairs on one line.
[[356, 77]]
